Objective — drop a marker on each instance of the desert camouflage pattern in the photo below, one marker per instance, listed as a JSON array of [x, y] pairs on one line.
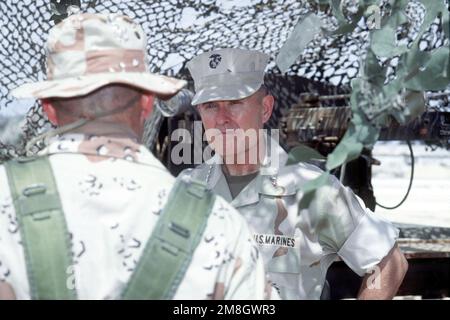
[[299, 246], [87, 51], [112, 191]]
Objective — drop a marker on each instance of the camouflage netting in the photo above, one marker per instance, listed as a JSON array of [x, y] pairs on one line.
[[178, 30]]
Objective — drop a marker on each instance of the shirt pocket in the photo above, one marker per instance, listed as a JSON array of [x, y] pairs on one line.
[[285, 273], [287, 263]]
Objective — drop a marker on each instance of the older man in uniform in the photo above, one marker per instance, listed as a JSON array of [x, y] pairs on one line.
[[249, 170], [96, 215]]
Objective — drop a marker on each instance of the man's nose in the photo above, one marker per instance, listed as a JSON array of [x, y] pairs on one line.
[[222, 116]]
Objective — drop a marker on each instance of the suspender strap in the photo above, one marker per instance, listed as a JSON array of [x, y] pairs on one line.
[[46, 242], [176, 235], [44, 234]]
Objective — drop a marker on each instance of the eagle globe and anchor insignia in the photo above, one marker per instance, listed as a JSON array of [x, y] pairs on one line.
[[214, 60]]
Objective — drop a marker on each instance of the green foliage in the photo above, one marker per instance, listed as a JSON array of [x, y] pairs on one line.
[[375, 100], [303, 153]]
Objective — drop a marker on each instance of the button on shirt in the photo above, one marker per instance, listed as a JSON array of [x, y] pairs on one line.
[[112, 192], [298, 247]]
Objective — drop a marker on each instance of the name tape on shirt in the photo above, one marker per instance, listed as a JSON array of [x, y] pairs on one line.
[[275, 240]]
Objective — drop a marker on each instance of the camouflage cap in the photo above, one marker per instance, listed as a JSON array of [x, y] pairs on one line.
[[227, 74], [88, 51]]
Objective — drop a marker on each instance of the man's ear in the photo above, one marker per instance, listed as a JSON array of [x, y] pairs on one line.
[[147, 100], [50, 111], [267, 102]]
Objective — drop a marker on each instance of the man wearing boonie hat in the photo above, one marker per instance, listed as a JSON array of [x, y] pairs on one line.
[[249, 170], [95, 215]]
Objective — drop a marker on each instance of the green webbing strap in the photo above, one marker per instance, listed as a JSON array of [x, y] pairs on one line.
[[46, 242], [169, 250], [43, 229]]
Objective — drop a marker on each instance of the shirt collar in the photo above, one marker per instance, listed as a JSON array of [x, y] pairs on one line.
[[99, 148], [265, 182]]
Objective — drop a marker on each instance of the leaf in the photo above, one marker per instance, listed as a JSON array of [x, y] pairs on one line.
[[309, 190], [445, 22], [337, 12], [415, 104], [305, 31], [303, 153], [399, 18], [383, 40], [348, 149], [394, 87], [398, 11], [429, 71], [383, 43], [345, 26], [361, 132], [373, 71], [351, 145]]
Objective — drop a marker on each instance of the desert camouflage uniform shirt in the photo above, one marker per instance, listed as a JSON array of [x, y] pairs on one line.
[[112, 192], [298, 247]]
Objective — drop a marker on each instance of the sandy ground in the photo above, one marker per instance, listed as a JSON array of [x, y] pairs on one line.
[[428, 203], [429, 199]]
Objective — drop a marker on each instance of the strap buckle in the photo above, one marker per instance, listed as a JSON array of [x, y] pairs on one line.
[[195, 187], [181, 231], [34, 189]]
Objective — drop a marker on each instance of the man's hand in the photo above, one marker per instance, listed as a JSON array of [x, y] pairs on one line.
[[387, 277], [6, 291]]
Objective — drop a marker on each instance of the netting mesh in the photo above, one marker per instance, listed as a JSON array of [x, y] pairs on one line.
[[177, 30]]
